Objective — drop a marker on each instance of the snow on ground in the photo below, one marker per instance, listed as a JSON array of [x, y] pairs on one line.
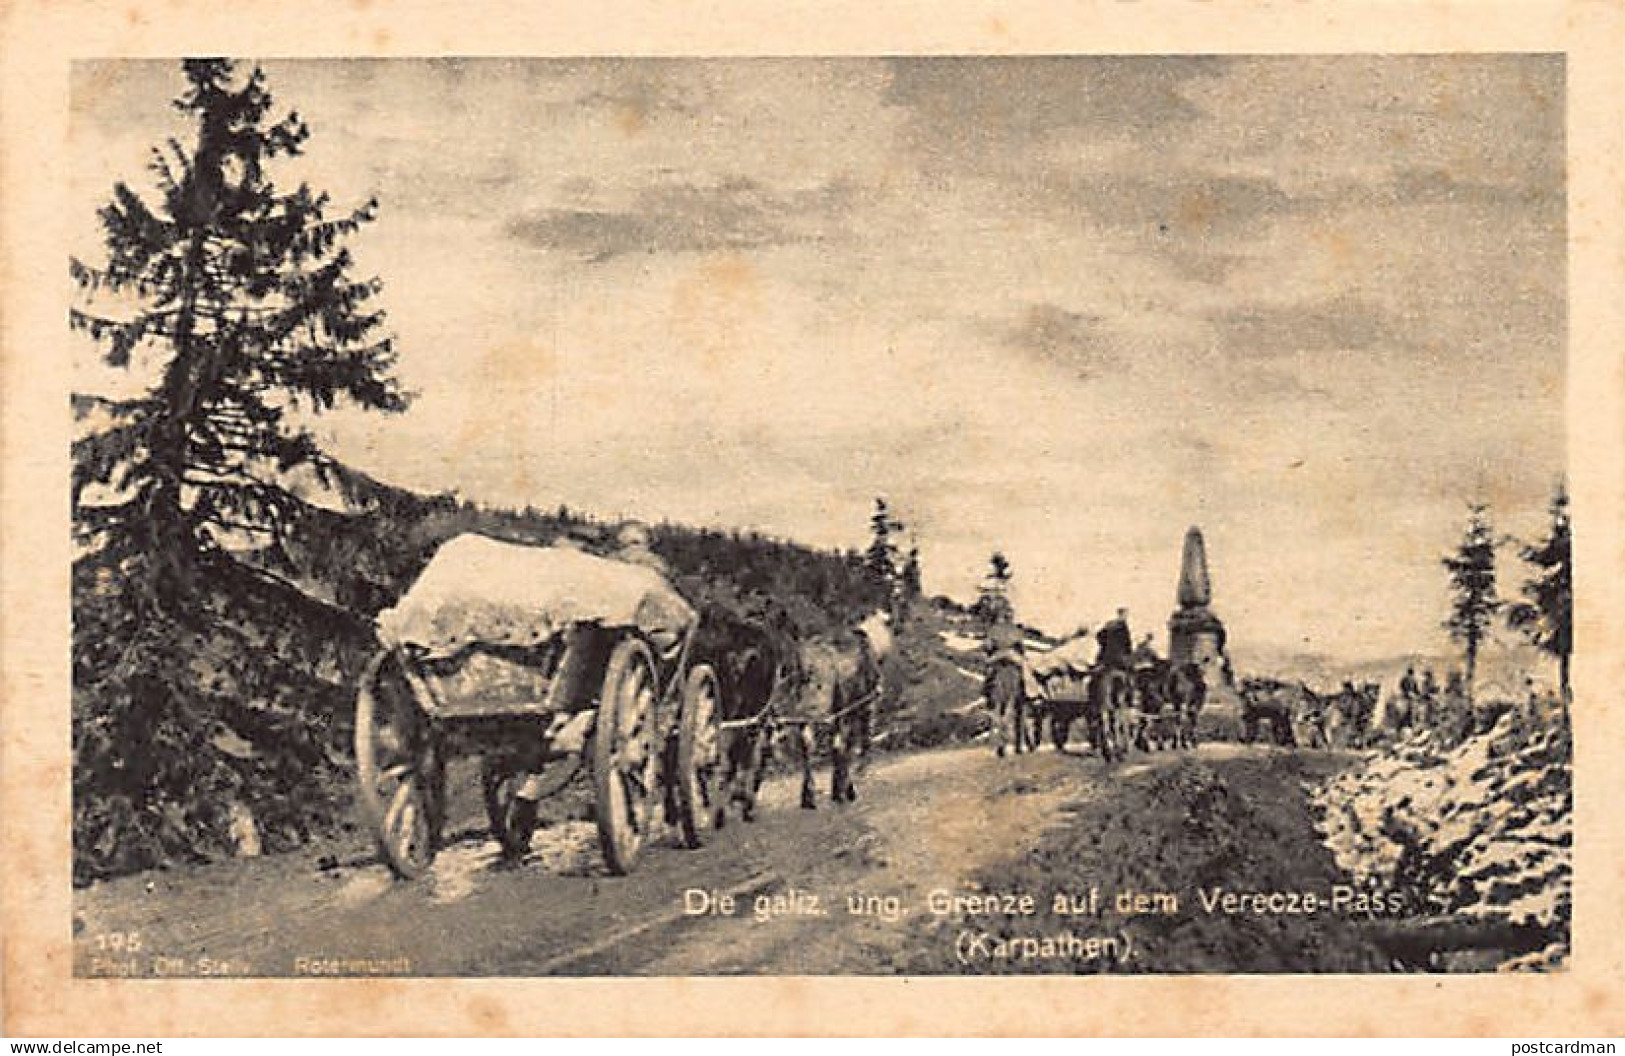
[[959, 642], [1483, 828]]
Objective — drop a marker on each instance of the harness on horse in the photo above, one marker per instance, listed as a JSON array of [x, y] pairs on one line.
[[767, 717]]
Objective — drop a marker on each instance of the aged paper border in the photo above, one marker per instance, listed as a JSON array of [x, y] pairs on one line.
[[39, 996]]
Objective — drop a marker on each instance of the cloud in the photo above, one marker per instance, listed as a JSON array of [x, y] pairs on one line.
[[1415, 186], [677, 217], [1180, 205], [632, 94], [1201, 265], [1236, 253], [1260, 381], [1345, 323], [1077, 342], [1326, 122], [960, 100]]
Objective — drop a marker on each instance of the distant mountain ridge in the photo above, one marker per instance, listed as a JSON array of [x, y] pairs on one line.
[[1502, 666]]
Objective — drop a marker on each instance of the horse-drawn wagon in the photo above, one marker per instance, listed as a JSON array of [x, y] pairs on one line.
[[1075, 685], [1153, 705], [544, 661]]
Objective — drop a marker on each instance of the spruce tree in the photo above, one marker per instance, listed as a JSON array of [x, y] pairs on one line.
[[201, 683], [911, 574], [993, 605], [1472, 585], [1546, 615], [881, 556], [238, 297]]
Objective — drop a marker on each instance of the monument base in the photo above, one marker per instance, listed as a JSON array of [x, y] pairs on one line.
[[1197, 636]]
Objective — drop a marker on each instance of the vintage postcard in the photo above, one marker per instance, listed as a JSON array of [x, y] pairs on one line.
[[807, 513]]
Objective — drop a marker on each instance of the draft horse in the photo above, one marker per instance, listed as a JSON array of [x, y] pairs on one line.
[[1111, 695], [1187, 693], [1005, 689], [840, 680], [750, 655]]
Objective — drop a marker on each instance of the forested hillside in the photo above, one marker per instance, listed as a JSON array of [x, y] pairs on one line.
[[229, 724]]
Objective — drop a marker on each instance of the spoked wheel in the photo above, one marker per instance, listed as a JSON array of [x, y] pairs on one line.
[[402, 777], [626, 762], [700, 762]]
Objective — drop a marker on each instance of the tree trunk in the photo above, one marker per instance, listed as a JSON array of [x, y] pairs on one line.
[[1563, 677]]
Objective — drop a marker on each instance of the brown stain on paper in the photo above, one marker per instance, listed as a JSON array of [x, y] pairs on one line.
[[1198, 209], [713, 310], [488, 1016], [631, 119]]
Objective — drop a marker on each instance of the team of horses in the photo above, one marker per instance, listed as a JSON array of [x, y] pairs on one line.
[[792, 696], [1358, 715], [1292, 714], [1152, 706], [783, 694]]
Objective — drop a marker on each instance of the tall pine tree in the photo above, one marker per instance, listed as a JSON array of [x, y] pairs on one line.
[[1546, 614], [993, 605], [201, 686], [1474, 601], [881, 556], [239, 297], [910, 576]]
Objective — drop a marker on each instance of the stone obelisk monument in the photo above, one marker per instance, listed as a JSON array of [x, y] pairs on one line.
[[1194, 632]]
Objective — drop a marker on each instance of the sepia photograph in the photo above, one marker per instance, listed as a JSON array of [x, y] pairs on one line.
[[1058, 514], [804, 520]]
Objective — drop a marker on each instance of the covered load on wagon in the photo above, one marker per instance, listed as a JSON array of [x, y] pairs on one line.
[[478, 589], [1064, 670]]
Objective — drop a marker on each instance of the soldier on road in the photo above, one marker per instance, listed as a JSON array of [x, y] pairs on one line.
[[1116, 643]]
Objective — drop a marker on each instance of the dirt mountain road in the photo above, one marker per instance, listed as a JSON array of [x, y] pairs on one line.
[[812, 892]]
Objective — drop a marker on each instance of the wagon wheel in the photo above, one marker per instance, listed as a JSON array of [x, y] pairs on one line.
[[399, 769], [626, 764], [513, 820], [700, 762]]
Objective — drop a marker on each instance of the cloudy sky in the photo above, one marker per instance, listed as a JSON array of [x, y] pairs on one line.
[[1064, 307]]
